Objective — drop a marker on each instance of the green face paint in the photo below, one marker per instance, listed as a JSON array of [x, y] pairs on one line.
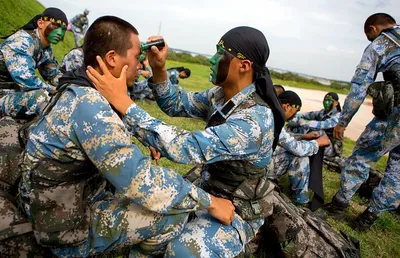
[[220, 66], [55, 34], [328, 102]]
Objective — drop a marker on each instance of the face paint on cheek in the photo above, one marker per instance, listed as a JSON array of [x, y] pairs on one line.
[[327, 104], [54, 35]]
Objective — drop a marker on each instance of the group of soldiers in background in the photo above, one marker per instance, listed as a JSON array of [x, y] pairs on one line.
[[83, 187]]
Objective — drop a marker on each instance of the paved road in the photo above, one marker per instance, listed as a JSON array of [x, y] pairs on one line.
[[312, 100]]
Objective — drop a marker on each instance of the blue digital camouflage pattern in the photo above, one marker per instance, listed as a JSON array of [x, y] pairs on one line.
[[316, 120], [20, 55], [379, 137], [72, 60], [18, 51], [291, 156], [173, 76], [141, 90], [246, 135], [150, 201], [79, 25]]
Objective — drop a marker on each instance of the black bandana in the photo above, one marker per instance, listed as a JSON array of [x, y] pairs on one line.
[[291, 98], [247, 43], [50, 14]]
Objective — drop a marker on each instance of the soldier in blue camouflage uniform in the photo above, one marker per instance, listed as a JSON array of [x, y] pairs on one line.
[[321, 122], [72, 60], [178, 72], [79, 25], [292, 155], [80, 147], [236, 146], [382, 134], [22, 92]]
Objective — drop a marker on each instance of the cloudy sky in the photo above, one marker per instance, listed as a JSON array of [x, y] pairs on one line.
[[317, 37]]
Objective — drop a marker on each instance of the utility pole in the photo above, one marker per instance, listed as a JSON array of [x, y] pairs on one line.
[[159, 30]]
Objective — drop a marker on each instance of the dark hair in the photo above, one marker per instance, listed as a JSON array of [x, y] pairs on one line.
[[378, 19], [187, 72], [279, 86], [105, 34]]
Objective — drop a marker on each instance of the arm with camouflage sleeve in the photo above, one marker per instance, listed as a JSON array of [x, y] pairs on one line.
[[175, 101], [325, 124], [365, 74], [18, 56], [104, 138], [299, 118], [300, 148], [49, 68], [240, 135]]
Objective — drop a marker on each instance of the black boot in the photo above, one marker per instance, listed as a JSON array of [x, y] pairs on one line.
[[364, 221], [336, 209]]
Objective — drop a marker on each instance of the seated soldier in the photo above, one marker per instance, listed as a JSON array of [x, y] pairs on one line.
[[72, 60], [322, 122], [244, 117], [79, 149], [178, 72], [22, 93], [279, 89], [292, 155]]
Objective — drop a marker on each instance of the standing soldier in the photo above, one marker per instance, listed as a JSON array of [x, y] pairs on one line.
[[382, 134], [21, 91], [79, 25]]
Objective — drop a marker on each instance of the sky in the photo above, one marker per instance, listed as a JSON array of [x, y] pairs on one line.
[[317, 37]]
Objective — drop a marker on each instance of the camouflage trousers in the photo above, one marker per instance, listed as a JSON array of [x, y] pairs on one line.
[[205, 236], [78, 35], [378, 138], [118, 223], [141, 90], [18, 104], [298, 169]]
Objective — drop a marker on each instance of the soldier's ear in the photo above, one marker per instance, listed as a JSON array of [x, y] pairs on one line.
[[110, 59]]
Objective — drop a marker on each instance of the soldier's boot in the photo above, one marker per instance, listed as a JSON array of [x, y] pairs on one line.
[[336, 208], [364, 221]]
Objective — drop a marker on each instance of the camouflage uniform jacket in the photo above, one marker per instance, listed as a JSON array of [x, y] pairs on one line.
[[82, 126], [21, 54], [379, 56], [299, 148], [173, 76], [81, 22], [246, 135], [72, 60], [318, 120]]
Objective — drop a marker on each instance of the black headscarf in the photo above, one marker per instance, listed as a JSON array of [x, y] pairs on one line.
[[250, 44], [291, 98], [49, 14]]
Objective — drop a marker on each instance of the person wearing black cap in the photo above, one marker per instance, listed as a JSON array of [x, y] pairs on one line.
[[292, 155], [21, 53], [322, 122], [244, 119]]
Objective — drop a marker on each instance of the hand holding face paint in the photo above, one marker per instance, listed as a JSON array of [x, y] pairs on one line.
[[157, 58]]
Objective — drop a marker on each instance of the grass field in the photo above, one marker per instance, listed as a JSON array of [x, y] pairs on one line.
[[381, 241]]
